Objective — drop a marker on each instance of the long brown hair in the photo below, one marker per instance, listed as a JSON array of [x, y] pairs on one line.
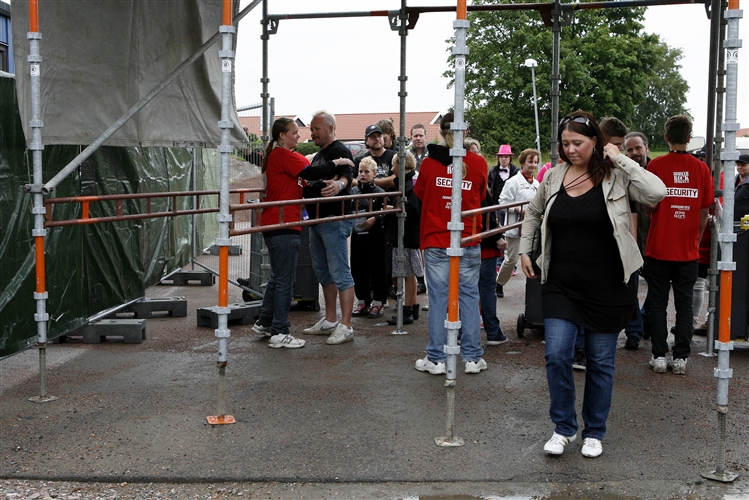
[[280, 126], [585, 124]]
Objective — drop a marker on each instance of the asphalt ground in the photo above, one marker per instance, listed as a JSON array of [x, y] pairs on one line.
[[356, 420]]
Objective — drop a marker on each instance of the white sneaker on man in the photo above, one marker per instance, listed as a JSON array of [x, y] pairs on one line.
[[476, 366], [285, 340], [341, 333], [555, 445], [424, 365], [322, 327], [678, 366], [658, 364], [592, 448]]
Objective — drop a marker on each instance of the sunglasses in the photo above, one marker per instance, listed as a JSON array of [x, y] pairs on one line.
[[576, 119]]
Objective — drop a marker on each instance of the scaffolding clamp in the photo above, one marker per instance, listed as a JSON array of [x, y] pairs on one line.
[[40, 296], [451, 349], [223, 333]]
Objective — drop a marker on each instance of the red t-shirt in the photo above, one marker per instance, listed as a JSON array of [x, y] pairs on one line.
[[434, 189], [283, 183], [675, 224]]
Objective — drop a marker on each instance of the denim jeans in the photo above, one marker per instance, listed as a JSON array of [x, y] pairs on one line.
[[600, 351], [283, 251], [488, 295], [635, 328], [328, 248], [438, 277], [663, 275]]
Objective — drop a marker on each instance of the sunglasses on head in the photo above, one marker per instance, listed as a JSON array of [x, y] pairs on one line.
[[576, 119]]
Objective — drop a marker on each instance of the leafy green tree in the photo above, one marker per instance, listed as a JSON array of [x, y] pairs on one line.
[[608, 66], [305, 148]]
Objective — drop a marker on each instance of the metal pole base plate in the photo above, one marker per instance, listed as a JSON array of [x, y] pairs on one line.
[[399, 332], [444, 441], [40, 399], [707, 355], [221, 420], [726, 477]]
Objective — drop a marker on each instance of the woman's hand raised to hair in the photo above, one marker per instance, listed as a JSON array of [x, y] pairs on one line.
[[611, 151], [527, 266]]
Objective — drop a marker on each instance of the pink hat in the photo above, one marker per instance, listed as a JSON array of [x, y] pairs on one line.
[[505, 150]]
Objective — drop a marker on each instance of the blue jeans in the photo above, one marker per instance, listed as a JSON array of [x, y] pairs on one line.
[[487, 293], [328, 248], [438, 277], [283, 251], [663, 275], [600, 351]]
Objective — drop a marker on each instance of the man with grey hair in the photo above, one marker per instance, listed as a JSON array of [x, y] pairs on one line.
[[328, 243]]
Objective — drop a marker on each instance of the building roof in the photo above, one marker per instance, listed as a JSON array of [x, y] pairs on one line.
[[351, 126]]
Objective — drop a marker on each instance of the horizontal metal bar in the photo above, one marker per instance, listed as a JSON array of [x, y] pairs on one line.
[[119, 218], [310, 222], [137, 196]]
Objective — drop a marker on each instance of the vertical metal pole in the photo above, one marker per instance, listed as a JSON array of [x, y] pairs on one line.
[[223, 242], [556, 29], [400, 257], [460, 51], [194, 187], [727, 236], [535, 108], [265, 80], [39, 232], [715, 142]]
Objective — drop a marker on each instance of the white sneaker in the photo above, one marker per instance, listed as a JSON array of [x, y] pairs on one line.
[[262, 330], [424, 365], [285, 340], [592, 448], [678, 366], [555, 445], [341, 333], [319, 328], [476, 366], [658, 364]]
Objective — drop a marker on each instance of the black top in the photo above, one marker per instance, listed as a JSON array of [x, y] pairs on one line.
[[363, 206], [585, 284], [741, 201], [335, 150], [384, 162], [412, 224]]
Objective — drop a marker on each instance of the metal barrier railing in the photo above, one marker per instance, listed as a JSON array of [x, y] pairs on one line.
[[477, 212]]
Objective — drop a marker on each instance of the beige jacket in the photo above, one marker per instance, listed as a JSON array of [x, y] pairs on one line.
[[628, 181]]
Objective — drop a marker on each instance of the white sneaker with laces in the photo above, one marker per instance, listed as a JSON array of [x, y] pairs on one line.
[[678, 366], [592, 448], [424, 365], [555, 445], [262, 330], [341, 333], [319, 328], [285, 340], [658, 364], [476, 366]]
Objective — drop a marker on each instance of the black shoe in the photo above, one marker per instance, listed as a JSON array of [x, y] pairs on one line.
[[579, 361], [498, 340], [500, 291], [407, 317], [673, 329], [392, 292], [416, 308], [421, 288], [701, 330], [632, 343]]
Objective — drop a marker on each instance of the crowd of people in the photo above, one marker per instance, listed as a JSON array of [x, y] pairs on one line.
[[604, 206]]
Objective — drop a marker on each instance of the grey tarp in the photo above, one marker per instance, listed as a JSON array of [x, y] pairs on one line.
[[101, 57], [93, 267]]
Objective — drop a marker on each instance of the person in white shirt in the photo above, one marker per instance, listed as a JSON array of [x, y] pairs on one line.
[[520, 187]]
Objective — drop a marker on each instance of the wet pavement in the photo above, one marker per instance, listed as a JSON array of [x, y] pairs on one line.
[[354, 420]]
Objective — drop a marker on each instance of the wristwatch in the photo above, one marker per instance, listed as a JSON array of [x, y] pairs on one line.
[[341, 185]]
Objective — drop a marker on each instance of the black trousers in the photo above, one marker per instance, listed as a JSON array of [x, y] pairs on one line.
[[368, 266]]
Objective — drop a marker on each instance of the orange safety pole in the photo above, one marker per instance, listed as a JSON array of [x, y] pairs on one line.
[[223, 276], [462, 9], [454, 286], [227, 15], [724, 331], [34, 16], [39, 254]]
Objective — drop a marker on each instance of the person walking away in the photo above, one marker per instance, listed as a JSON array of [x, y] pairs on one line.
[[498, 176], [672, 249], [582, 208], [433, 187]]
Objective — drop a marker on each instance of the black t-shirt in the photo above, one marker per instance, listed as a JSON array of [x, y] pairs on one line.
[[384, 163], [585, 283], [335, 150]]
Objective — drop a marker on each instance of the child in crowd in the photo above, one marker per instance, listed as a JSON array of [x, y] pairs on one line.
[[368, 247], [413, 265]]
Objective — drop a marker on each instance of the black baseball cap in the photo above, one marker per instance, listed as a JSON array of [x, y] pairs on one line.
[[744, 159], [371, 130]]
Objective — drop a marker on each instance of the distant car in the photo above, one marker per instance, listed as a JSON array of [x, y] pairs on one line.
[[356, 147]]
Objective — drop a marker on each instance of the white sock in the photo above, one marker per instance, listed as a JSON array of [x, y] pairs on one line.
[[327, 324]]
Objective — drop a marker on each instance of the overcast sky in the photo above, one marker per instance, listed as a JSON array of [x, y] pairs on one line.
[[352, 65]]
